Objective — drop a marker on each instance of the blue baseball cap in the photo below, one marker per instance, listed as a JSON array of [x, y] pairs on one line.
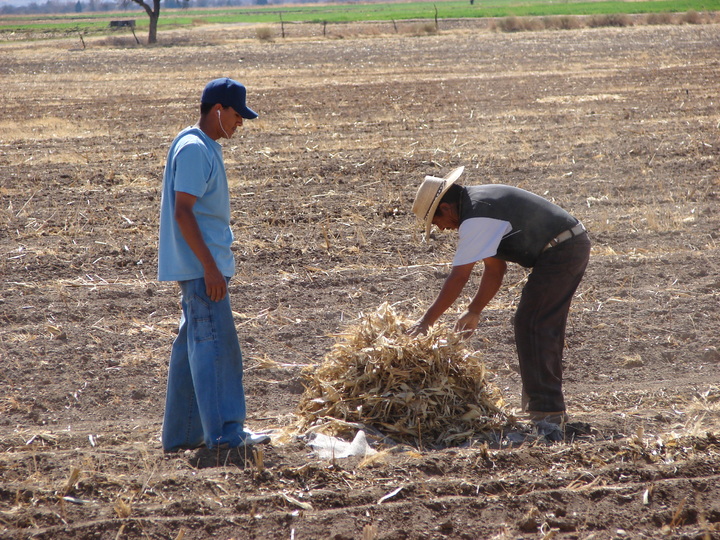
[[228, 93]]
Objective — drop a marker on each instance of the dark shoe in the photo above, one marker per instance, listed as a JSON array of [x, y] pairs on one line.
[[574, 430], [549, 431]]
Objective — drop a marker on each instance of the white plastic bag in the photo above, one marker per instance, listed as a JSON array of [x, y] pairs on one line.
[[327, 447]]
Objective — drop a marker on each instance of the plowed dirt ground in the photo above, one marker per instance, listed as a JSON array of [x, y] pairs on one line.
[[618, 125]]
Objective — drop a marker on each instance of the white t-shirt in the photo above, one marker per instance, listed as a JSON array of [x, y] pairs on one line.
[[478, 238]]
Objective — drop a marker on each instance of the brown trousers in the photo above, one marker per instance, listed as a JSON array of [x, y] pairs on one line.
[[541, 318]]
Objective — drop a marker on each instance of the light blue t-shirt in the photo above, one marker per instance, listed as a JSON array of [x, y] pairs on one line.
[[195, 165]]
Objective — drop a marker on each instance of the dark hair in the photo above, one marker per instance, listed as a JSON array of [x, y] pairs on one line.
[[452, 195]]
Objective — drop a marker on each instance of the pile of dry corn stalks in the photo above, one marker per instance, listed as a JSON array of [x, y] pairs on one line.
[[425, 391]]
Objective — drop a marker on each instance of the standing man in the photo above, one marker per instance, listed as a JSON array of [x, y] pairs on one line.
[[498, 224], [205, 402]]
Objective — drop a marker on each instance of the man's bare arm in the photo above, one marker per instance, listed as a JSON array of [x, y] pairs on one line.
[[215, 282]]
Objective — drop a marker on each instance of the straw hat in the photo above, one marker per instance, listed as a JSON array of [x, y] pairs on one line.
[[428, 197]]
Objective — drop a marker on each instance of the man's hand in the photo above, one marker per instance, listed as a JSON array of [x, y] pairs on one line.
[[215, 284], [467, 323], [418, 329], [449, 292]]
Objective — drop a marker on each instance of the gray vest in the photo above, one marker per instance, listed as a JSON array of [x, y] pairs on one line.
[[535, 221]]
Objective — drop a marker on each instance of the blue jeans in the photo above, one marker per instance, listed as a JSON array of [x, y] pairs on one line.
[[205, 401]]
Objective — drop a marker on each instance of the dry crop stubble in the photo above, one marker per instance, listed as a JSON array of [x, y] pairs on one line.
[[429, 391]]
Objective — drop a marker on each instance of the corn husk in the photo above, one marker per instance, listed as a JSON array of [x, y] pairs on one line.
[[425, 391]]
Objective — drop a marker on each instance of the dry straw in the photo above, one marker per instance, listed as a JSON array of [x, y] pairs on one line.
[[425, 391]]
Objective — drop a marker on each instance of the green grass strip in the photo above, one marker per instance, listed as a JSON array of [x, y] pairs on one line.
[[94, 22]]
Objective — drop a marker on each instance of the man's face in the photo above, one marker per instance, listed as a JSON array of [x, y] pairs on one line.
[[230, 120], [446, 217]]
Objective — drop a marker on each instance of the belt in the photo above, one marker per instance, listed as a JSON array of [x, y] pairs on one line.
[[577, 230]]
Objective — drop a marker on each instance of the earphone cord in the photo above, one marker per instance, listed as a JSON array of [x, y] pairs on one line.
[[221, 126]]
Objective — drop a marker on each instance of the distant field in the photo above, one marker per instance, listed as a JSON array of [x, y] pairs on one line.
[[617, 125], [332, 13]]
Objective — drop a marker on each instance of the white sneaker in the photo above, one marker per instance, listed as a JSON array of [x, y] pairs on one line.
[[252, 439]]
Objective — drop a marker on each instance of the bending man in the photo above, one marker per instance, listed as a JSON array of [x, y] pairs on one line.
[[498, 224]]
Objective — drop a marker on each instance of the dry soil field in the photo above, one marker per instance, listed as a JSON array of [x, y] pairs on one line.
[[618, 125]]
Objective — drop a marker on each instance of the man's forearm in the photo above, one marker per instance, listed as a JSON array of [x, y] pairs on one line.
[[490, 283], [193, 236], [449, 292], [197, 244]]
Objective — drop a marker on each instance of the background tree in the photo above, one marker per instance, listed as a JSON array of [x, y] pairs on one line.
[[154, 14]]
